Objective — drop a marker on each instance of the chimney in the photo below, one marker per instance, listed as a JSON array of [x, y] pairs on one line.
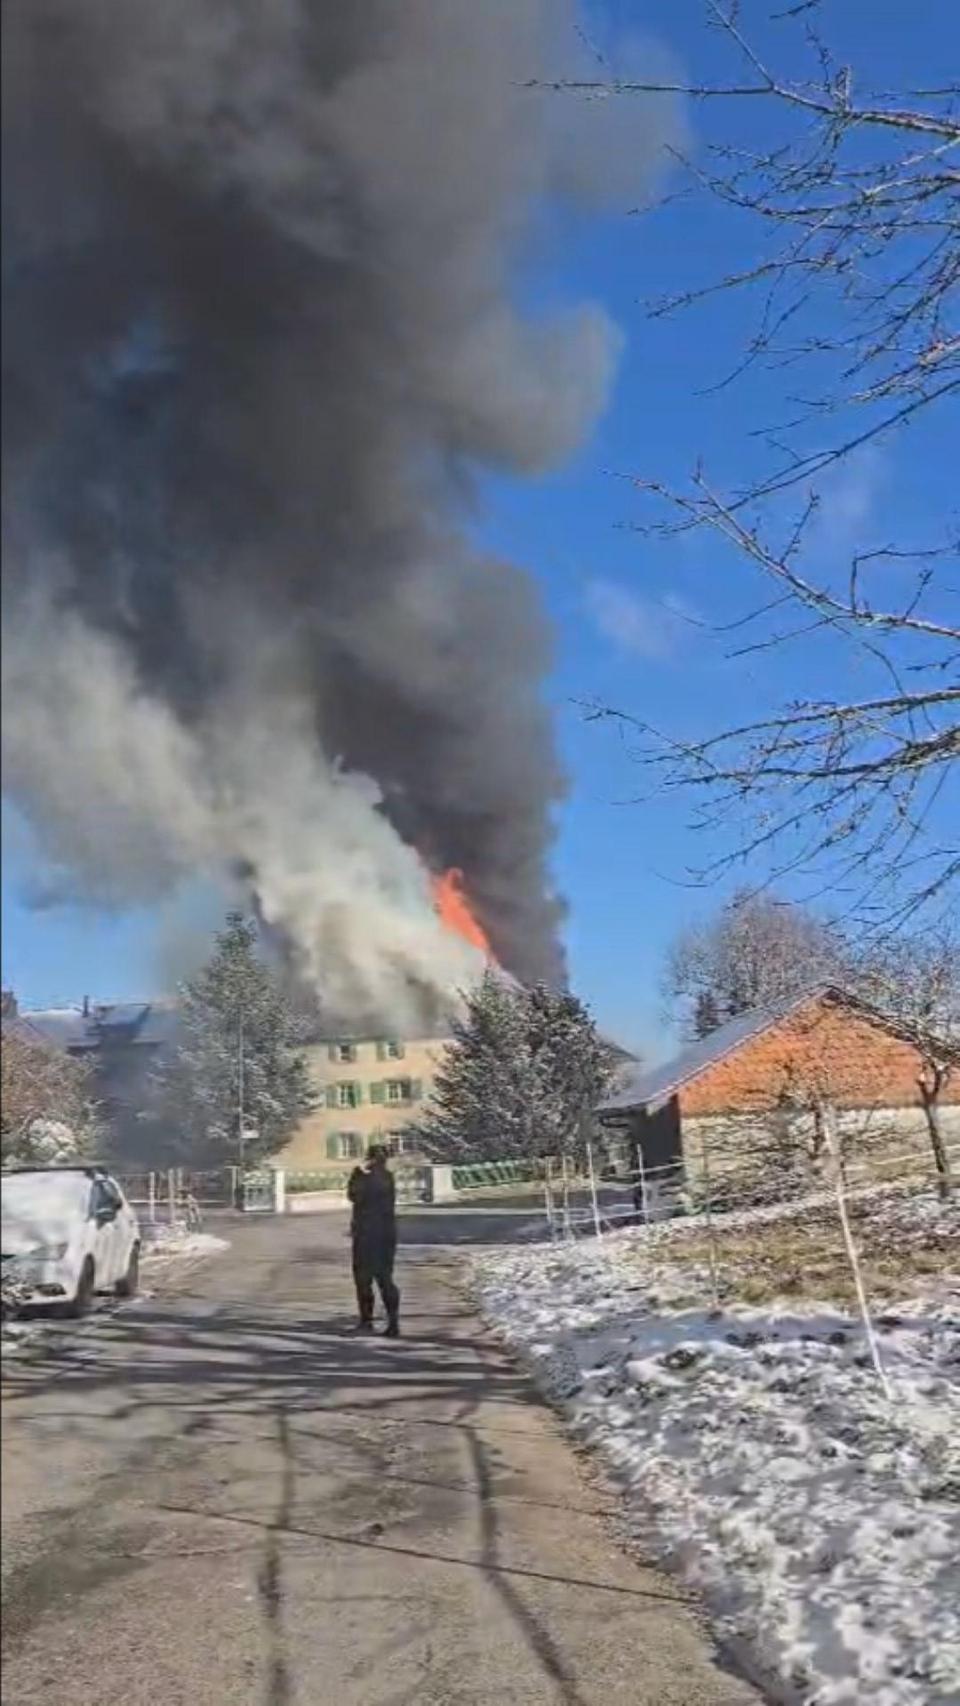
[[8, 1004], [86, 1006]]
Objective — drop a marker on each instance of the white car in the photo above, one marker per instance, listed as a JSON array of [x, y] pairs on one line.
[[65, 1233]]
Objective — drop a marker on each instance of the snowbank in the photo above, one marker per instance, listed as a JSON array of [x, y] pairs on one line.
[[164, 1242], [820, 1522]]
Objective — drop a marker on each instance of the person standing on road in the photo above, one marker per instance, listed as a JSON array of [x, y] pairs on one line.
[[373, 1230]]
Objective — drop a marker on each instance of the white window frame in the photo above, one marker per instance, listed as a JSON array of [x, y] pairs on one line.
[[402, 1086], [347, 1095]]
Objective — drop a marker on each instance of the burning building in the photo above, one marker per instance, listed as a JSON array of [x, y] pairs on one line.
[[371, 1088]]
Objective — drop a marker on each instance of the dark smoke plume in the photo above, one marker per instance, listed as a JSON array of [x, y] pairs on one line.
[[260, 337]]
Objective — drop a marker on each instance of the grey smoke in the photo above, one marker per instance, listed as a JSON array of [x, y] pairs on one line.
[[260, 337]]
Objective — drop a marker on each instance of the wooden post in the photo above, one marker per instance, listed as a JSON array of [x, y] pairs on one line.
[[853, 1254], [152, 1198], [172, 1194], [644, 1205], [593, 1192], [711, 1232], [548, 1196]]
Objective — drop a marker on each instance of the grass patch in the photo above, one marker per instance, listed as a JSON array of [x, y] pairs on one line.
[[902, 1251]]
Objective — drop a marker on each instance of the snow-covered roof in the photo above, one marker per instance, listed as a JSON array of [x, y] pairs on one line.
[[655, 1085], [141, 1022], [64, 1026]]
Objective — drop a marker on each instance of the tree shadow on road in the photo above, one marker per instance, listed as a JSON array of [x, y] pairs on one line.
[[364, 1441]]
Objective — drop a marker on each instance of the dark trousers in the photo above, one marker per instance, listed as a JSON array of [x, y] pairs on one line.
[[373, 1265]]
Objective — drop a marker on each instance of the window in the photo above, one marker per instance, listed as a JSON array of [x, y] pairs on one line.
[[400, 1142], [344, 1146], [344, 1095], [105, 1199], [391, 1050], [397, 1091], [345, 1053]]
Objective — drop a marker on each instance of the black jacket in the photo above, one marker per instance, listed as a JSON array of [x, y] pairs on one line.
[[373, 1193]]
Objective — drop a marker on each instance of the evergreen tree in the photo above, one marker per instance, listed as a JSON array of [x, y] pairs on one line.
[[235, 1060], [521, 1077], [480, 1107], [572, 1069]]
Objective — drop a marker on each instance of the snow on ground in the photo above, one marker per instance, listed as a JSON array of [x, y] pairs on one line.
[[165, 1242], [760, 1456]]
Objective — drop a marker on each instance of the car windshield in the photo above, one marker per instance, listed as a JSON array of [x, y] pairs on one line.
[[43, 1201]]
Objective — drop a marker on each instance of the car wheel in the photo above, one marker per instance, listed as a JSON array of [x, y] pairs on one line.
[[127, 1287], [86, 1285]]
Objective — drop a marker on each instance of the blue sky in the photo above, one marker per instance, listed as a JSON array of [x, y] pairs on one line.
[[628, 610]]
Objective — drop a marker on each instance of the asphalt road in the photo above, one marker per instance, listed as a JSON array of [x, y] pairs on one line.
[[218, 1495]]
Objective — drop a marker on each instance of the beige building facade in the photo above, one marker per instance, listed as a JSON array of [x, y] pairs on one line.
[[369, 1090]]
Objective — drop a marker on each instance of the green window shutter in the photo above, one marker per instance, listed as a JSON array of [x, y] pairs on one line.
[[333, 1147], [357, 1095], [416, 1089], [377, 1092], [381, 1052], [399, 1051], [331, 1095], [331, 1051]]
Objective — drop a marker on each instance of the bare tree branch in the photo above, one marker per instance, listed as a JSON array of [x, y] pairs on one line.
[[856, 196]]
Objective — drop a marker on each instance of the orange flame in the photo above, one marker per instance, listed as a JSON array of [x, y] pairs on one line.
[[453, 907]]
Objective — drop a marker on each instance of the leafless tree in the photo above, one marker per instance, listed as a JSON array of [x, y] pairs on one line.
[[757, 952], [915, 981], [42, 1088], [856, 198]]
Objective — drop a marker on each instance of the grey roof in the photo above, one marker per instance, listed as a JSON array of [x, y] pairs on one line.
[[117, 1022], [63, 1026], [654, 1086]]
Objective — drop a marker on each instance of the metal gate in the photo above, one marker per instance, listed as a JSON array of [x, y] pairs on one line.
[[413, 1184], [259, 1192]]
